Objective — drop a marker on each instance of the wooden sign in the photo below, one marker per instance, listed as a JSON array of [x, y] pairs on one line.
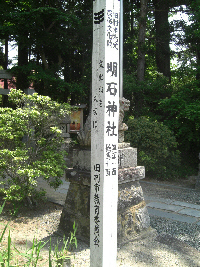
[[104, 133]]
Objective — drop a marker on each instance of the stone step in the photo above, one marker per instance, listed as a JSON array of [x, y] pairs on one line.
[[127, 157]]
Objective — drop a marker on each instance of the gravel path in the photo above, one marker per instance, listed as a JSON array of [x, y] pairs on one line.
[[170, 243], [189, 233]]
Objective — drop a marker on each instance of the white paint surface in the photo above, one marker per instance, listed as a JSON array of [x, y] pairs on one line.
[[104, 133]]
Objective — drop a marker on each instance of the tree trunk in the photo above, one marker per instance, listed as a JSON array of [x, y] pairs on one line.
[[22, 80], [198, 65], [5, 97], [162, 37], [139, 96], [141, 41]]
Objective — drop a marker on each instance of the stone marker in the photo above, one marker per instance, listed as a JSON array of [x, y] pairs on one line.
[[104, 133], [107, 176]]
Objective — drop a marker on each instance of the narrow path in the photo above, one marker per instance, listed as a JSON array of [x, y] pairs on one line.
[[168, 208]]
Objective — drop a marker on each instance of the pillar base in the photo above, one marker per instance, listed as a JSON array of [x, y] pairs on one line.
[[133, 218]]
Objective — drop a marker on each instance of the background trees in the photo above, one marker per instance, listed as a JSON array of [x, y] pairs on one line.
[[54, 39], [53, 52]]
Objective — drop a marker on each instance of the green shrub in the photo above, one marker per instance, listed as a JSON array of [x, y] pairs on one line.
[[30, 145], [156, 145]]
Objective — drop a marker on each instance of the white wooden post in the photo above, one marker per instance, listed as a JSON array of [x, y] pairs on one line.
[[104, 133]]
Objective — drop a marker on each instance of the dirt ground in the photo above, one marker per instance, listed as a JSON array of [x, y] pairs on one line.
[[39, 224]]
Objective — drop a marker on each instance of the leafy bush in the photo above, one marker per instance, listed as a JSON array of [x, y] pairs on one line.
[[157, 147], [30, 144], [181, 113]]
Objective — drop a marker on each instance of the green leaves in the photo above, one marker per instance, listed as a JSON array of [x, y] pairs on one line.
[[32, 255], [53, 34], [157, 147], [30, 143], [182, 114]]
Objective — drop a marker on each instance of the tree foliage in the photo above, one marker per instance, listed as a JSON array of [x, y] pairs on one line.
[[157, 147], [150, 91], [30, 144], [55, 56], [181, 113], [54, 38]]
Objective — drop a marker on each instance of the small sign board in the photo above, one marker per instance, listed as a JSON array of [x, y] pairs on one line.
[[76, 118]]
